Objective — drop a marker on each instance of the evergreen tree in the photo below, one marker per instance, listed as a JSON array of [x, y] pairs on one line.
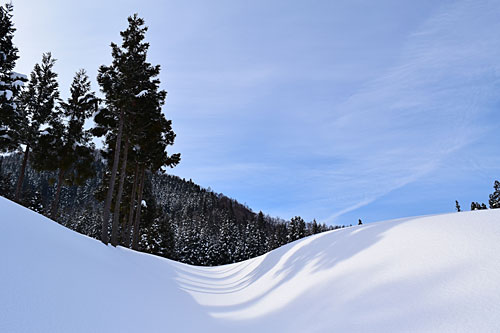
[[64, 145], [495, 196], [132, 120], [252, 247], [227, 242], [457, 205], [37, 108], [10, 82], [478, 206], [296, 229], [359, 222], [315, 227], [261, 230]]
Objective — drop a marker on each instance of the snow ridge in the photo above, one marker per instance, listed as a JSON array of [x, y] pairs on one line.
[[433, 274]]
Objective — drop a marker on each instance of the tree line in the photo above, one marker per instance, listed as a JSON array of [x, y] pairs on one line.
[[494, 200]]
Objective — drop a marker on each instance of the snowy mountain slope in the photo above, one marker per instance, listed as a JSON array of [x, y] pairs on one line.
[[435, 273]]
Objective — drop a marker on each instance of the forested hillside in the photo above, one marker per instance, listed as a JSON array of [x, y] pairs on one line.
[[180, 220]]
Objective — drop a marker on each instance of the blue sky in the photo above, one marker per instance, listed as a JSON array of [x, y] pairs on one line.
[[334, 110]]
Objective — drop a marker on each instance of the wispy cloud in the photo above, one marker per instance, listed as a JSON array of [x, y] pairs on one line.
[[402, 125], [328, 157]]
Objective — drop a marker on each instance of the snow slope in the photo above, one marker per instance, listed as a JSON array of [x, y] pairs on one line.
[[432, 274]]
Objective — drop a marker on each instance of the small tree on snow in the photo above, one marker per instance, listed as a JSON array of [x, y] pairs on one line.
[[495, 196]]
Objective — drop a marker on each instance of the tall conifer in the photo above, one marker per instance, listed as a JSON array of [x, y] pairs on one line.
[[10, 81], [137, 133], [64, 145], [37, 109]]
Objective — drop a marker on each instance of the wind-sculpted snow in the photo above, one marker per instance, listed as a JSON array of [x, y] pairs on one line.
[[435, 273]]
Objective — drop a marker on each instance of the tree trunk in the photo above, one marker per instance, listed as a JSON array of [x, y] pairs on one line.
[[20, 179], [109, 195], [124, 231], [118, 200], [135, 240], [55, 203], [127, 229]]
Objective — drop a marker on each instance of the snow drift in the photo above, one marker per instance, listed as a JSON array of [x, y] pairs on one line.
[[436, 273]]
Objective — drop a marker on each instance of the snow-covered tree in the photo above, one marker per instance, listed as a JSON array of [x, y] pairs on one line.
[[495, 196], [296, 229], [227, 241], [10, 82]]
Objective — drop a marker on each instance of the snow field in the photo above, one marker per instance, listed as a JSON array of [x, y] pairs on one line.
[[428, 274]]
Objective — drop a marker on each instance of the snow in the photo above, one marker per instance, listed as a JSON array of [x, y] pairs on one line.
[[142, 93], [18, 79], [8, 94], [18, 83], [18, 76], [425, 274]]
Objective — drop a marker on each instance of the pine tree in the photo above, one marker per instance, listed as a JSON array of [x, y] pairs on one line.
[[10, 82], [359, 222], [227, 242], [296, 229], [315, 227], [37, 108], [252, 246], [457, 206], [132, 120], [64, 145], [478, 206], [262, 239], [495, 196]]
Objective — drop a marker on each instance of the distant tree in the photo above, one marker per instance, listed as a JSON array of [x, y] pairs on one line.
[[478, 206], [315, 227], [261, 230], [457, 205], [252, 240], [359, 222], [296, 229], [495, 196], [227, 241], [37, 108]]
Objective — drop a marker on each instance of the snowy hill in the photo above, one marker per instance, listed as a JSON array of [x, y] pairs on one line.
[[436, 273]]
